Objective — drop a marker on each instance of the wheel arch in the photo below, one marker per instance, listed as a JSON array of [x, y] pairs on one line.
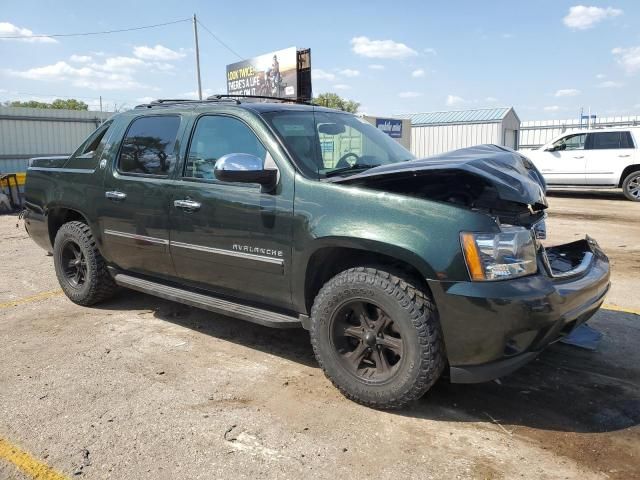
[[58, 216], [333, 257], [625, 173]]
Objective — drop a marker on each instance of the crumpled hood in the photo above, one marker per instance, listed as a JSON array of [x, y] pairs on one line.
[[513, 175]]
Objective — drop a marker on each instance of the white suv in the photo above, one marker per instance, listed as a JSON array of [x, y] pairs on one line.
[[592, 158]]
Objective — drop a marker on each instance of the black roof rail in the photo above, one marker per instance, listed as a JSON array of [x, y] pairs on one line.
[[165, 102], [257, 97]]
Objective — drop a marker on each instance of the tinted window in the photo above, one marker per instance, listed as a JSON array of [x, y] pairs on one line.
[[572, 142], [610, 140], [214, 137], [626, 141], [94, 142], [149, 145]]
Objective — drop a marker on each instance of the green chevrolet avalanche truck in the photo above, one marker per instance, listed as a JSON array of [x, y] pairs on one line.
[[290, 215]]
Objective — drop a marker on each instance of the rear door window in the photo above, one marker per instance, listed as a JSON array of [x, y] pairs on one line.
[[148, 147], [609, 140]]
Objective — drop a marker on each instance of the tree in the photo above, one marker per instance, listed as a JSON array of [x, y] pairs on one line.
[[332, 100], [58, 104]]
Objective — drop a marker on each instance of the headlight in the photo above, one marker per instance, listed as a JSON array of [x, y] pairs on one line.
[[508, 254]]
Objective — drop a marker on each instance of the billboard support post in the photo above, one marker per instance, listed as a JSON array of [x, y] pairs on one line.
[[195, 34]]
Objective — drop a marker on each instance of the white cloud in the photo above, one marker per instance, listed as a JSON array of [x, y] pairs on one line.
[[342, 86], [582, 18], [409, 94], [418, 73], [145, 99], [80, 58], [119, 64], [10, 30], [600, 76], [610, 84], [381, 48], [430, 51], [551, 108], [567, 92], [114, 74], [491, 99], [629, 58], [318, 74], [376, 66], [454, 100], [157, 53], [349, 72], [507, 35], [206, 92]]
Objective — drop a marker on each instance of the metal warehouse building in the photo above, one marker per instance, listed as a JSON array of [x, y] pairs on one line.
[[36, 132], [438, 132]]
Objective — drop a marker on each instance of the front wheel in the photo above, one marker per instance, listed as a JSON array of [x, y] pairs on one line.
[[377, 337], [631, 186]]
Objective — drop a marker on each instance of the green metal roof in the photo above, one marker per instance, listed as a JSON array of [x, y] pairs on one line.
[[480, 115]]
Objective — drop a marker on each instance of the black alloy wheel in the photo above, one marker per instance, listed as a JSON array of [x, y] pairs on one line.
[[74, 264], [366, 341]]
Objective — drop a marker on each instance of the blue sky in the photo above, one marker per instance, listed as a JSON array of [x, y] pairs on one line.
[[546, 58]]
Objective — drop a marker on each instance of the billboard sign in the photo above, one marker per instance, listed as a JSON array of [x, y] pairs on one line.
[[390, 126], [273, 74]]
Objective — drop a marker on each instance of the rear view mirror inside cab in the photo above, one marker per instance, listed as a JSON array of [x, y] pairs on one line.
[[331, 128]]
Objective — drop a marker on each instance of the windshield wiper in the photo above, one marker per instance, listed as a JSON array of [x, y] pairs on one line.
[[353, 168]]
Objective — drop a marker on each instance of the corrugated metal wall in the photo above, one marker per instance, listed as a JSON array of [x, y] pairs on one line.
[[427, 140], [534, 134], [34, 132]]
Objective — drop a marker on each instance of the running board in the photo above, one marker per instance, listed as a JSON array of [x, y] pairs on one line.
[[208, 302]]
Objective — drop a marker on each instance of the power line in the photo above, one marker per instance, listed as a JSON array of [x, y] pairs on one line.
[[3, 37], [220, 41]]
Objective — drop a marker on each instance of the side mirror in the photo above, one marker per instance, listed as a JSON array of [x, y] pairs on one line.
[[245, 168]]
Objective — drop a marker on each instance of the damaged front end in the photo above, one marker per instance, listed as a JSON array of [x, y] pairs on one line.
[[498, 182], [520, 296], [487, 178]]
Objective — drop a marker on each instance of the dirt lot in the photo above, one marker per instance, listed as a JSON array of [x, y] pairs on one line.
[[143, 388]]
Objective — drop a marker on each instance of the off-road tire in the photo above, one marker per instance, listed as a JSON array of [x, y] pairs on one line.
[[626, 184], [414, 312], [98, 285]]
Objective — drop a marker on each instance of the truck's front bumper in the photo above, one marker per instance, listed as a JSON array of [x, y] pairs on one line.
[[493, 328]]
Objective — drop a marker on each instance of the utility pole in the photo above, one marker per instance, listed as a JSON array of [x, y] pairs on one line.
[[195, 34], [100, 103]]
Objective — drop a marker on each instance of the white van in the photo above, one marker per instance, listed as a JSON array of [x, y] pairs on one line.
[[607, 157]]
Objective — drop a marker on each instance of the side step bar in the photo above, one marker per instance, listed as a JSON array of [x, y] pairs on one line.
[[208, 302]]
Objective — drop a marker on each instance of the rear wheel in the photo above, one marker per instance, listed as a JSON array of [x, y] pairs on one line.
[[631, 186], [377, 337], [80, 268]]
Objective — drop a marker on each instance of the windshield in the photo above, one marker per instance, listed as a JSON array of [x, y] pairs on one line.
[[326, 144]]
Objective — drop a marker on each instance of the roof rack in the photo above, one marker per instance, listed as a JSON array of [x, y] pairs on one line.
[[165, 102], [257, 97]]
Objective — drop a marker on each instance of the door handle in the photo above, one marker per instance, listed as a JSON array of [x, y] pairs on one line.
[[115, 195], [187, 205], [579, 156], [624, 156]]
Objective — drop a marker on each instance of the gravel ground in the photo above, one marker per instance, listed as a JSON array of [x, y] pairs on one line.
[[143, 388]]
